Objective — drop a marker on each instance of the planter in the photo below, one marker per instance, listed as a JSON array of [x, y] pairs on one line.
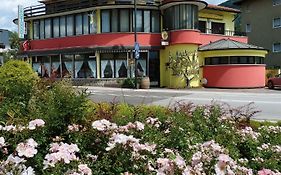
[[145, 83]]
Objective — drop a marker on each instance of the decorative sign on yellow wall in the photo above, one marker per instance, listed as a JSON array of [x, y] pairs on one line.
[[211, 16]]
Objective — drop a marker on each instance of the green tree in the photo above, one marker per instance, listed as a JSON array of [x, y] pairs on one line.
[[185, 64], [14, 41]]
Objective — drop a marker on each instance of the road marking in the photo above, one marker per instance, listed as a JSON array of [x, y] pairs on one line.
[[227, 100], [132, 96]]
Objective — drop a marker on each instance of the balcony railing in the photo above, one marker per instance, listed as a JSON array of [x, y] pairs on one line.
[[35, 10], [70, 5], [223, 32]]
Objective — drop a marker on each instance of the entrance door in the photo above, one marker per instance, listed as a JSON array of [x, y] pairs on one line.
[[154, 68]]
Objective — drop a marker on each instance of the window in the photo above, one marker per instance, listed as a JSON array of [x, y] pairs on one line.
[[78, 24], [42, 29], [70, 25], [276, 2], [259, 60], [87, 66], [85, 23], [277, 47], [93, 22], [114, 20], [139, 21], [276, 22], [62, 26], [82, 23], [67, 66], [2, 46], [155, 21], [177, 22], [121, 66], [243, 60], [107, 66], [248, 28], [48, 29], [202, 26], [114, 65], [56, 27], [183, 16], [105, 21], [218, 28], [36, 29], [146, 17], [234, 60], [216, 60], [124, 20]]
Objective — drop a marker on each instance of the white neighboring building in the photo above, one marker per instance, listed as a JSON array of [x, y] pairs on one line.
[[4, 43]]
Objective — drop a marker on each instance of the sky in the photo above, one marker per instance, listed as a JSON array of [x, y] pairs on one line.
[[8, 11]]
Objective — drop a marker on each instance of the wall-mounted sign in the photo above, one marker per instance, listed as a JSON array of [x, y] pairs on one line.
[[165, 38], [21, 25]]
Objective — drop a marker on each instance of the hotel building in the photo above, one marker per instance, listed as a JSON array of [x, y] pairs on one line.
[[93, 40]]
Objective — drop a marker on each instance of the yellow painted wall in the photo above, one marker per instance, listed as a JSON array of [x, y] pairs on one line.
[[98, 21], [98, 65], [167, 79], [218, 16], [259, 53], [30, 35]]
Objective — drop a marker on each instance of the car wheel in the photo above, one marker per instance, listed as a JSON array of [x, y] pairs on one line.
[[270, 85]]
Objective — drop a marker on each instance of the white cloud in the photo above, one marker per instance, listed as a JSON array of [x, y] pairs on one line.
[[215, 1], [8, 11]]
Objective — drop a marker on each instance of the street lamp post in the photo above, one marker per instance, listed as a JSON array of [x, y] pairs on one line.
[[135, 45]]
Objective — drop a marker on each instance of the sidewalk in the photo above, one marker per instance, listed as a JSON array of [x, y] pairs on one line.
[[187, 91]]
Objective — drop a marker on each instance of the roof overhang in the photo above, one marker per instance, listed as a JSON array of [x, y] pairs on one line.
[[81, 50], [166, 4], [222, 8]]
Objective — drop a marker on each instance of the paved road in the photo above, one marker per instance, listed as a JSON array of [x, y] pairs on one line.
[[267, 101]]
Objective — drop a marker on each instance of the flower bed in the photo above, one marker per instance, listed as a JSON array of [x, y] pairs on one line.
[[143, 140], [49, 128]]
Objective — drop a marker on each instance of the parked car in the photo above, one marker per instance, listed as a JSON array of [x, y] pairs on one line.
[[274, 82]]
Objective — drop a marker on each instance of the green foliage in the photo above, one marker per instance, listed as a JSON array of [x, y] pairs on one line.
[[130, 82], [9, 55], [180, 128], [185, 64], [14, 41], [61, 103], [17, 81]]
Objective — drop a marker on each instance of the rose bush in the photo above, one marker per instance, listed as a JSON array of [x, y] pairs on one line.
[[64, 133], [153, 140]]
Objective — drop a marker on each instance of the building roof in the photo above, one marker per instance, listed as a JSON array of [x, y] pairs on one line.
[[225, 44], [222, 8], [238, 2], [50, 1]]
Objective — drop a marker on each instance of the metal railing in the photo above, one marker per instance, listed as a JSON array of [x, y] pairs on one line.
[[224, 32], [35, 10], [69, 5]]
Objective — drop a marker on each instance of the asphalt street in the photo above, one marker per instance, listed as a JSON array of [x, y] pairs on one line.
[[266, 101]]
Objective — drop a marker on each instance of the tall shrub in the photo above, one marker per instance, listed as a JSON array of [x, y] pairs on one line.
[[17, 80]]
